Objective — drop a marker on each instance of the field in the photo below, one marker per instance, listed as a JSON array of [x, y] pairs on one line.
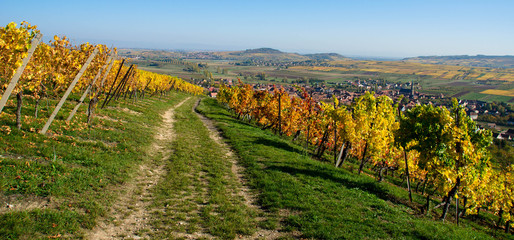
[[432, 70], [465, 60], [473, 83], [508, 93]]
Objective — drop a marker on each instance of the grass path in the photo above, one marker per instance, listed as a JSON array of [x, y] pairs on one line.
[[242, 191], [61, 185], [129, 216], [203, 195], [190, 187]]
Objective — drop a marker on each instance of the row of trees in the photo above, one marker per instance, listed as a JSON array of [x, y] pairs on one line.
[[57, 68], [439, 147]]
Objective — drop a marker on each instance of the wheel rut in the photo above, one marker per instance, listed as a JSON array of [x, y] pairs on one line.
[[131, 214], [249, 196]]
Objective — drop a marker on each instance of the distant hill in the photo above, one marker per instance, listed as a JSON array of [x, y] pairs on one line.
[[466, 60], [270, 54], [326, 56], [253, 55], [263, 50], [262, 54]]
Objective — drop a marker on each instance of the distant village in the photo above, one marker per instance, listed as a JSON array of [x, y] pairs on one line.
[[319, 93]]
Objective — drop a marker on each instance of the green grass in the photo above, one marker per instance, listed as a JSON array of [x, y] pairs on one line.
[[486, 97], [76, 170], [325, 202], [198, 191]]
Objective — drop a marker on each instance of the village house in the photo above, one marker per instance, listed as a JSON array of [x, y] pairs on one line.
[[473, 115], [502, 136], [510, 133]]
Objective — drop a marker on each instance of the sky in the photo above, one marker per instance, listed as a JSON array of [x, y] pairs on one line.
[[378, 28]]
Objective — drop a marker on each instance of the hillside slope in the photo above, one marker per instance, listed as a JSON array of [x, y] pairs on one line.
[[323, 202]]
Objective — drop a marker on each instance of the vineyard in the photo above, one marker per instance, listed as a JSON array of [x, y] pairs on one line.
[[441, 149], [93, 147], [75, 122], [57, 69]]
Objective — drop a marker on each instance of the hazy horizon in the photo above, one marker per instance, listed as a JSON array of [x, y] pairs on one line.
[[302, 53], [387, 29]]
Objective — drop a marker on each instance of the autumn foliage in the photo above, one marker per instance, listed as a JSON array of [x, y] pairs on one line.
[[54, 65], [444, 148], [54, 69]]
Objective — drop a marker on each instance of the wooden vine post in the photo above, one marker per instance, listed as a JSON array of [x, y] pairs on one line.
[[107, 100], [18, 110], [86, 92], [14, 80], [124, 84], [114, 82], [308, 127], [111, 60], [144, 89], [339, 157], [407, 173], [457, 206], [335, 135], [94, 100], [280, 114], [67, 93], [129, 82]]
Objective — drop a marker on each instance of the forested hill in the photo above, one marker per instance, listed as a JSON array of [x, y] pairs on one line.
[[327, 56], [261, 54], [466, 60], [258, 54], [263, 50]]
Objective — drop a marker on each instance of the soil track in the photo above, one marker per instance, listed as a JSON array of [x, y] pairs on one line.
[[242, 190], [129, 217]]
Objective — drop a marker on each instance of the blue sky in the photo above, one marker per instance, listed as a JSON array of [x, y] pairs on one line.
[[350, 27]]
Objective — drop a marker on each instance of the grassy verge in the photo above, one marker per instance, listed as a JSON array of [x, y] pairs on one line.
[[325, 202], [197, 197], [58, 185]]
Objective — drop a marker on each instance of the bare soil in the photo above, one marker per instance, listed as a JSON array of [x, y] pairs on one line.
[[249, 195], [19, 202], [130, 215]]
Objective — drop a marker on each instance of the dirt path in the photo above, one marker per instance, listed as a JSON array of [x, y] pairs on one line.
[[242, 190], [130, 215], [237, 170]]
